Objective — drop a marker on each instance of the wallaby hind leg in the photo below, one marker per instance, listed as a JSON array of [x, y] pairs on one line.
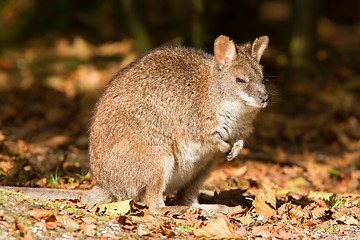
[[153, 198], [98, 195], [189, 194]]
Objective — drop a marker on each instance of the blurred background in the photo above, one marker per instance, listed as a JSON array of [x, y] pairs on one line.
[[57, 56]]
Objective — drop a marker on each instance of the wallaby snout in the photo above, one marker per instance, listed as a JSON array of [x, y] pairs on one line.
[[263, 98]]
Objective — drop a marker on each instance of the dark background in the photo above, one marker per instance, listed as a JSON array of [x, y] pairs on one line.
[[56, 57]]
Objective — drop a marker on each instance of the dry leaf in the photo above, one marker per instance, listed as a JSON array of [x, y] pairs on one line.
[[166, 232], [20, 226], [41, 213], [89, 229], [265, 204], [319, 212], [237, 210], [245, 220], [4, 225], [319, 195], [121, 207], [90, 232], [51, 225], [142, 232], [263, 231], [349, 220], [29, 235], [298, 212], [220, 228], [67, 223], [89, 220]]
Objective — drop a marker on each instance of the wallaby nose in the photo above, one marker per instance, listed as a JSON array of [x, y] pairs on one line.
[[263, 97]]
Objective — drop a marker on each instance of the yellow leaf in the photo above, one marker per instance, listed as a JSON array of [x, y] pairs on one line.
[[265, 204], [319, 195], [115, 208], [286, 191], [220, 228], [349, 220], [245, 220]]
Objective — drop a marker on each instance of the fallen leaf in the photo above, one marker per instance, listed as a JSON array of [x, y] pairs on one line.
[[220, 228], [349, 220], [319, 195], [67, 223], [142, 232], [108, 235], [245, 220], [90, 232], [265, 204], [237, 210], [20, 226], [297, 183], [166, 232], [263, 231], [121, 207], [51, 225], [286, 191], [298, 212], [29, 235], [42, 213], [89, 220], [4, 225], [319, 212], [89, 229]]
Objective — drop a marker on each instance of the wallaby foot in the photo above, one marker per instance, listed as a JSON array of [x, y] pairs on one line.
[[202, 209], [210, 209], [177, 209]]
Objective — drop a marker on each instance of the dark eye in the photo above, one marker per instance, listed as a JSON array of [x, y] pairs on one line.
[[240, 80]]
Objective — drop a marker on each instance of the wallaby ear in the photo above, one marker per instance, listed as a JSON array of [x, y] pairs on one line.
[[224, 50], [259, 46]]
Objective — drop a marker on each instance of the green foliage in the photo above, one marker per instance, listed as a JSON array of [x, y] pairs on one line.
[[186, 228], [299, 222], [334, 173], [55, 177], [80, 175], [2, 175], [23, 178], [329, 228], [339, 203]]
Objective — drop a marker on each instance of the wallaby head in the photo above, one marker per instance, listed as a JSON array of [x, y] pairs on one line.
[[239, 71]]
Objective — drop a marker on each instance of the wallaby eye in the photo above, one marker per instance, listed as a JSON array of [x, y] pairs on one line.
[[240, 80]]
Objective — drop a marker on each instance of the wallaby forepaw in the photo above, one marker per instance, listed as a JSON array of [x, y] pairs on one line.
[[231, 156]]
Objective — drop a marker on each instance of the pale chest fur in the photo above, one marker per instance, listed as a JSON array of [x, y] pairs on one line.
[[235, 121], [190, 156]]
